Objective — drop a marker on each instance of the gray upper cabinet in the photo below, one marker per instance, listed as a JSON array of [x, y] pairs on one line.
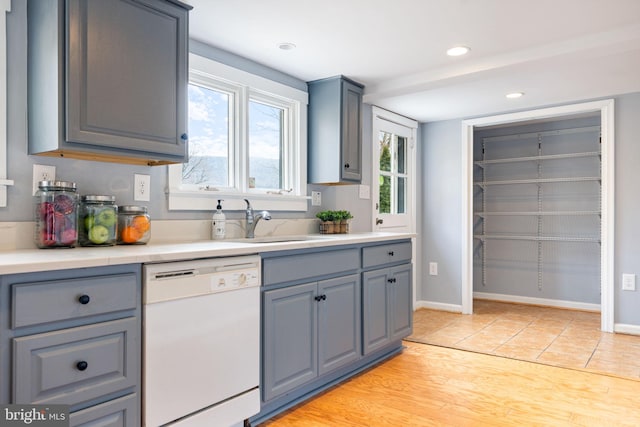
[[335, 131], [108, 80]]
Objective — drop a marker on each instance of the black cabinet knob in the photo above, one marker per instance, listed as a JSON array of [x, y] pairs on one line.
[[82, 365], [84, 299], [346, 165], [390, 253], [184, 137], [324, 297], [392, 280], [318, 298]]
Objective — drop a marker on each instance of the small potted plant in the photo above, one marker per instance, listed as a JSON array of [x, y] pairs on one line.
[[327, 222], [342, 218]]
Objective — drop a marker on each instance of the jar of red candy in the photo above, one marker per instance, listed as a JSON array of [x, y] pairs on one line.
[[56, 214]]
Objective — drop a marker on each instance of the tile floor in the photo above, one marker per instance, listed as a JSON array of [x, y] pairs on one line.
[[566, 338]]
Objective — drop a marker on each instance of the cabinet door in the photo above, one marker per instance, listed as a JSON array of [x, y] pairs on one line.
[[75, 365], [401, 302], [351, 131], [121, 412], [289, 339], [339, 333], [127, 75], [375, 306]]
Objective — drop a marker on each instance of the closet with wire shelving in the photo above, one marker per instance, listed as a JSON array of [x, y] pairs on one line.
[[537, 212]]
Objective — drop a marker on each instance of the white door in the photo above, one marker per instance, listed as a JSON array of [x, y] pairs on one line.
[[394, 165]]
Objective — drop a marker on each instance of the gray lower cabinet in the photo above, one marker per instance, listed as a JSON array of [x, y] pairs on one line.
[[73, 337], [309, 330], [121, 412], [108, 80], [387, 306]]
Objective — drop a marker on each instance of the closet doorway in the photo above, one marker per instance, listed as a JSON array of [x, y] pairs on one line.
[[538, 191]]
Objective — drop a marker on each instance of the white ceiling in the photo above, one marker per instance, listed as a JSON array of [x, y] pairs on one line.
[[555, 51]]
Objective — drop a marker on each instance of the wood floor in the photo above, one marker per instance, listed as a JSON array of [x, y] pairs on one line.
[[435, 386], [582, 377], [559, 337]]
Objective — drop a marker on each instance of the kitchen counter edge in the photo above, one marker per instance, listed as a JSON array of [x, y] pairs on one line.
[[33, 260]]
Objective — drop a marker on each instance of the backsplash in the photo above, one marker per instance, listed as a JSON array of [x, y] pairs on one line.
[[19, 235]]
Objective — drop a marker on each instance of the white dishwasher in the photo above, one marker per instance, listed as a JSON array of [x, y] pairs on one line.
[[201, 342]]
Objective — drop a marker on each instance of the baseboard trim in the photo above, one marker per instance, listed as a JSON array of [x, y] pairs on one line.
[[455, 308], [538, 301], [621, 328]]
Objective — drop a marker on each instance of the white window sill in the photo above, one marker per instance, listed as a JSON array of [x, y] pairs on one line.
[[207, 201]]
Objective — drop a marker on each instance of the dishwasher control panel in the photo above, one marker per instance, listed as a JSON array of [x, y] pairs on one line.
[[184, 279]]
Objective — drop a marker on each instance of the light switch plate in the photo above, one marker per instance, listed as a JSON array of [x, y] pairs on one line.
[[316, 198], [364, 191], [628, 282], [141, 187]]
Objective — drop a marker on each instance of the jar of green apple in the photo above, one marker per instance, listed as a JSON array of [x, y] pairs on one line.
[[98, 221], [56, 214]]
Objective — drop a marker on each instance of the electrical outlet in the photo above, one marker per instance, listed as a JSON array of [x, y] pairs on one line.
[[141, 187], [42, 173], [316, 198], [628, 282], [433, 268]]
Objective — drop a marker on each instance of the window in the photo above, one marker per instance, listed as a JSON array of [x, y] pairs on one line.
[[247, 139], [393, 173], [211, 137]]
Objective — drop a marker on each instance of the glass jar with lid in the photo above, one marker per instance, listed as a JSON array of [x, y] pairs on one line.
[[56, 214], [134, 225], [98, 221]]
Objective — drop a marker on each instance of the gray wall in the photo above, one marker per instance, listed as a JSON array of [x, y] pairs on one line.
[[93, 177], [441, 221], [441, 217]]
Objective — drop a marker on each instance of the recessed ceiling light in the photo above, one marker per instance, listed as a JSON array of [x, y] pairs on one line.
[[286, 46], [458, 51], [514, 95]]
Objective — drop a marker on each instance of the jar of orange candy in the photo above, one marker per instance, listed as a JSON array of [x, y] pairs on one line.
[[134, 225]]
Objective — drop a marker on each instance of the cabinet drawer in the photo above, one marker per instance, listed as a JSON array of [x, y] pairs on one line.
[[305, 266], [121, 412], [375, 256], [74, 365], [41, 302]]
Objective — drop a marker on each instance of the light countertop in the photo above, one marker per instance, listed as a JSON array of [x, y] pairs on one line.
[[32, 260]]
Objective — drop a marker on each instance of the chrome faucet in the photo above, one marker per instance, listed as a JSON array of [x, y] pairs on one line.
[[252, 219]]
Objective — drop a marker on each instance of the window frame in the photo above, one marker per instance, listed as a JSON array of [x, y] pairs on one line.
[[206, 72]]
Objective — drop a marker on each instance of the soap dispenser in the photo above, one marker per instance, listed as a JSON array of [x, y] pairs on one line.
[[218, 223]]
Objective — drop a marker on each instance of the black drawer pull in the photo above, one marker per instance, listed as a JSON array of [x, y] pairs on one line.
[[346, 165], [390, 253], [82, 365], [392, 280], [84, 299]]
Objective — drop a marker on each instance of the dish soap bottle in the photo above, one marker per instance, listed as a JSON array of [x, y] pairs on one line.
[[218, 223]]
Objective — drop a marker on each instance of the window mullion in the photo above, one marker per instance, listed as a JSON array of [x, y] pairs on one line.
[[242, 143]]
